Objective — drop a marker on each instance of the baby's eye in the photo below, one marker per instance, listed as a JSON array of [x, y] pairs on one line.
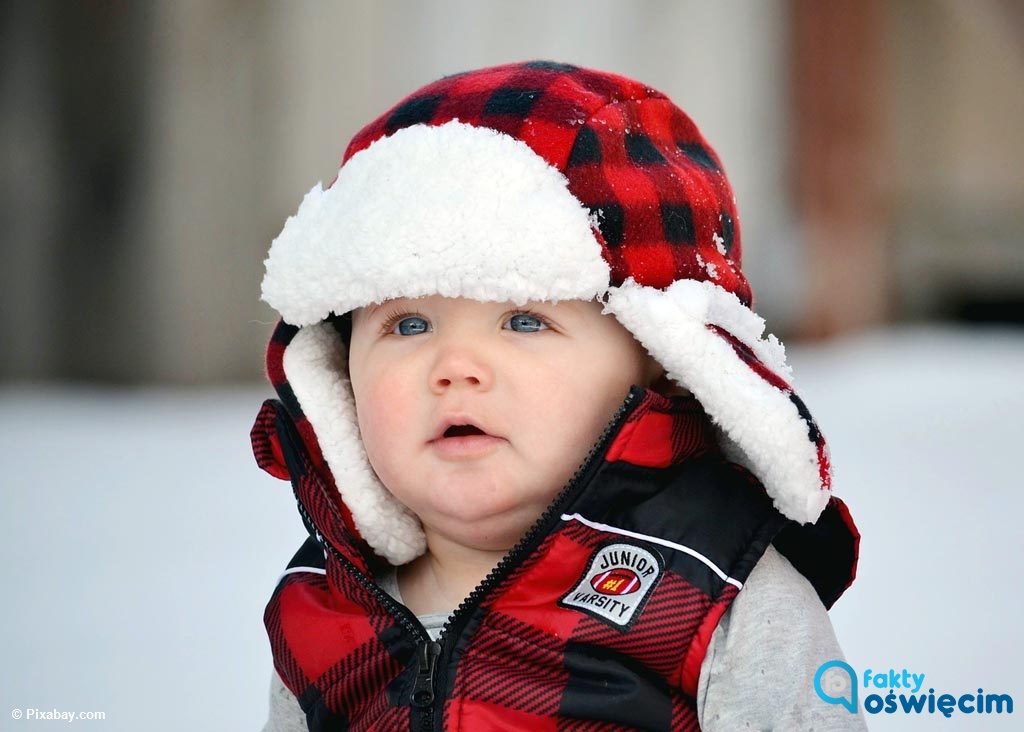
[[409, 325], [529, 321]]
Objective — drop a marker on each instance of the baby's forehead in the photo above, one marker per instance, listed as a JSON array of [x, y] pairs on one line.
[[468, 303]]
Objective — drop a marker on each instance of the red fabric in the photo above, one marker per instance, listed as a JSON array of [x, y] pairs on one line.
[[851, 527], [477, 715], [532, 599], [662, 433], [266, 445]]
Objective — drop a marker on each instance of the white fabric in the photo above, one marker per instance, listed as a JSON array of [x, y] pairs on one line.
[[449, 209], [316, 365], [763, 425]]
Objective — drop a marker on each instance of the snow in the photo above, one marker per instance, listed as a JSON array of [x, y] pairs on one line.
[[923, 424], [141, 542], [719, 241]]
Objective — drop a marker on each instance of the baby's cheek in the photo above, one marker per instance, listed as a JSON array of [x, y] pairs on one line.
[[560, 441], [387, 414], [379, 440]]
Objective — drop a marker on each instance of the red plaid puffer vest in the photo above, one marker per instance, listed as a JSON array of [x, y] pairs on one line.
[[598, 619]]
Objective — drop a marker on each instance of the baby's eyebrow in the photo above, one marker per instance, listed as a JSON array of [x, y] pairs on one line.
[[572, 307], [370, 310]]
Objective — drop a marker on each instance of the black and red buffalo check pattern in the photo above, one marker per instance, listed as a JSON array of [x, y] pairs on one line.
[[664, 206], [522, 661], [664, 211]]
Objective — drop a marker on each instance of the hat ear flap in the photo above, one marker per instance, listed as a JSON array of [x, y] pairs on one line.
[[315, 363], [266, 445], [710, 343]]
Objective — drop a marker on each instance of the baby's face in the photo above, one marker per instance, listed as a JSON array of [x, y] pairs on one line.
[[542, 383]]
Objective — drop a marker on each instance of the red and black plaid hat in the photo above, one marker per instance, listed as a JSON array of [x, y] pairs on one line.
[[536, 181]]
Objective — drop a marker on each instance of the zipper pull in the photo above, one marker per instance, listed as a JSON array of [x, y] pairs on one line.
[[423, 692]]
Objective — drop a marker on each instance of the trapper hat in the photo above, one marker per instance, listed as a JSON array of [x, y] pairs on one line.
[[535, 181]]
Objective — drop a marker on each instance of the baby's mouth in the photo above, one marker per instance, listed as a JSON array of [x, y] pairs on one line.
[[465, 442], [461, 430]]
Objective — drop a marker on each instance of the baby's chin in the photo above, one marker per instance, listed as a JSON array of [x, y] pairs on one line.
[[487, 525]]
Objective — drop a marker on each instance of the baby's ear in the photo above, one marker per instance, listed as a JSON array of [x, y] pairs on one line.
[[653, 371], [658, 381]]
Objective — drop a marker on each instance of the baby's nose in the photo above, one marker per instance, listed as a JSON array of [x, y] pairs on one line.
[[461, 368]]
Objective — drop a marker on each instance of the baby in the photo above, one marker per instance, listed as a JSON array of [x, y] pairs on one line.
[[552, 474]]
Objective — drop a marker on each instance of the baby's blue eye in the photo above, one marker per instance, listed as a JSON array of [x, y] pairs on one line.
[[418, 325], [408, 325], [531, 322]]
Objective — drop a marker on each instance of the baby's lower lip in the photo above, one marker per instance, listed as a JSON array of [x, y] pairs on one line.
[[465, 446]]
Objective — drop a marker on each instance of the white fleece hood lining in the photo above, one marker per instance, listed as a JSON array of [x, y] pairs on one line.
[[316, 365], [463, 211], [762, 427]]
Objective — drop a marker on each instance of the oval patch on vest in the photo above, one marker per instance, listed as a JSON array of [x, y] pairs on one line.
[[616, 583]]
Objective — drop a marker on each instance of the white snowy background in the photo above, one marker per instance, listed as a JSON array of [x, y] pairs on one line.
[[141, 542]]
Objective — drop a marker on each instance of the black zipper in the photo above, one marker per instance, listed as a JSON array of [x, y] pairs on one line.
[[429, 652]]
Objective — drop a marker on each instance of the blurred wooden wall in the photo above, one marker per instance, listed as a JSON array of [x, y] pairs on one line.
[[838, 76], [155, 149], [906, 161], [159, 147]]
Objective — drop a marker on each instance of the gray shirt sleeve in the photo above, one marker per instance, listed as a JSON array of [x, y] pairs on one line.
[[758, 673], [285, 713]]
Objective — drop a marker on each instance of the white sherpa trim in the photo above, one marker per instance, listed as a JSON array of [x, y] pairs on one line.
[[452, 210], [315, 364], [769, 436]]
